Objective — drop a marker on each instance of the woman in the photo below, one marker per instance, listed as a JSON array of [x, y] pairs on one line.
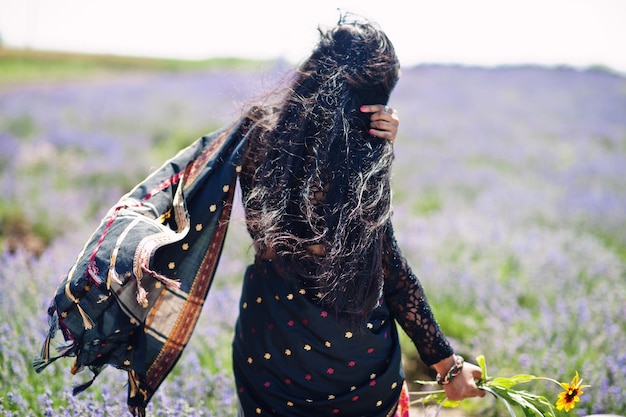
[[316, 332]]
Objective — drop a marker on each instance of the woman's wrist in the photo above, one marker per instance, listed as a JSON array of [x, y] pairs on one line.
[[449, 368], [444, 365]]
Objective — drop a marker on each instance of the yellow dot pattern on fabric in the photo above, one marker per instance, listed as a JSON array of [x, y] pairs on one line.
[[287, 348]]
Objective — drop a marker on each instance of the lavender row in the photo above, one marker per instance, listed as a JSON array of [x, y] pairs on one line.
[[509, 202]]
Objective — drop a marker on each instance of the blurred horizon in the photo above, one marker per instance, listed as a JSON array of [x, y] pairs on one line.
[[485, 33]]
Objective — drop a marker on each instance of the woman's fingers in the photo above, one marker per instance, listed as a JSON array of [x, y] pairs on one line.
[[384, 121]]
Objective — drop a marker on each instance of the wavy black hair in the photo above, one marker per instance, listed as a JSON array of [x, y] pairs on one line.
[[319, 177]]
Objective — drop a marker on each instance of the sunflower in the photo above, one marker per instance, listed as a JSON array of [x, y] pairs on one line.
[[570, 396]]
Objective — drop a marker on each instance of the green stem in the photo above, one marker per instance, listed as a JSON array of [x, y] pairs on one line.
[[548, 379], [425, 393]]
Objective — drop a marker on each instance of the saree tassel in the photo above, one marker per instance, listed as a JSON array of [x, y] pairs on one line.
[[94, 274], [43, 360], [137, 411], [113, 276], [82, 387], [137, 396], [87, 322], [172, 284], [76, 368], [142, 294]]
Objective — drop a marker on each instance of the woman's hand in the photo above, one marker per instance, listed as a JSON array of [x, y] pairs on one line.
[[384, 121], [463, 385]]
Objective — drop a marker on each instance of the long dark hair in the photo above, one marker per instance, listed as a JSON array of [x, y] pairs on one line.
[[320, 177]]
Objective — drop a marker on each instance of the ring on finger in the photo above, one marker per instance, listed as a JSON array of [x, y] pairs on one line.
[[388, 109]]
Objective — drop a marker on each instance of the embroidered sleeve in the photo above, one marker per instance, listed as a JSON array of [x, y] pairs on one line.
[[408, 304]]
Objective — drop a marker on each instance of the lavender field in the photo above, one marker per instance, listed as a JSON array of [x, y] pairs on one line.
[[510, 203]]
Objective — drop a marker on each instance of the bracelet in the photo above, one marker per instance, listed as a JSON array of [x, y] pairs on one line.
[[454, 371]]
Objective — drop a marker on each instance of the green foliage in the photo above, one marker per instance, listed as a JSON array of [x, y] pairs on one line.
[[168, 139], [18, 66], [504, 390], [428, 202], [23, 127]]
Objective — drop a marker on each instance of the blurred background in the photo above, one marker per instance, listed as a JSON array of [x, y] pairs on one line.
[[509, 189]]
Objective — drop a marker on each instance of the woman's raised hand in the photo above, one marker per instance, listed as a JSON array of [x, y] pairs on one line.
[[384, 121]]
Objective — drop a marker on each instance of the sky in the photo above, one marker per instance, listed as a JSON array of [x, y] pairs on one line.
[[578, 33]]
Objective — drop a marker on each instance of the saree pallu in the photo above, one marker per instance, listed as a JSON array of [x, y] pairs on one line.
[[292, 358], [134, 294]]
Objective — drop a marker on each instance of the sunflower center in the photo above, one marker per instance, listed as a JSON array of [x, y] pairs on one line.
[[571, 394]]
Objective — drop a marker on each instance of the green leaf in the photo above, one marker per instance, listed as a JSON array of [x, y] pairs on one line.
[[421, 382], [509, 382], [451, 404], [495, 393], [480, 360], [521, 378], [501, 382]]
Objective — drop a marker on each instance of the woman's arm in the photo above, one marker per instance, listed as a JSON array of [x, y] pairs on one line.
[[405, 298], [407, 302]]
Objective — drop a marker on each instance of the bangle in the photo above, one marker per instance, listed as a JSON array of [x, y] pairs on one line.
[[454, 371]]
